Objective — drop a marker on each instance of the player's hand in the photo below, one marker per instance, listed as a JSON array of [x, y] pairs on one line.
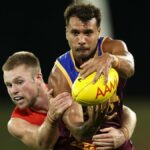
[[49, 93], [110, 138], [58, 105], [99, 64], [97, 114]]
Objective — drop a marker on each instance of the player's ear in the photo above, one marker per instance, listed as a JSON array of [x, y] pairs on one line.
[[66, 32], [39, 78], [99, 31]]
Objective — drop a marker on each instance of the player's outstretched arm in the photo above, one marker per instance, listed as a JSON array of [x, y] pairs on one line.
[[73, 116], [129, 122], [45, 136], [116, 55], [113, 138], [84, 130], [31, 135]]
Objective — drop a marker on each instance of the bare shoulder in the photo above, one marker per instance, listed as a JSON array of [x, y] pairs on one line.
[[58, 81], [17, 127], [114, 46]]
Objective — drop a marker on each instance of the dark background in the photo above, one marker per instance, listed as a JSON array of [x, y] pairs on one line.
[[39, 27]]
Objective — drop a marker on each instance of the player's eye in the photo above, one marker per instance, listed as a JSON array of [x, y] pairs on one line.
[[75, 32], [8, 85], [19, 82]]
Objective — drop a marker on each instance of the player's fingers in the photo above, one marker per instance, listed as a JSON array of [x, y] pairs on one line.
[[102, 136], [63, 106], [106, 73], [109, 117], [61, 98], [62, 95], [96, 77], [49, 93], [58, 108], [86, 72], [103, 144], [107, 140], [88, 68], [104, 148], [90, 111], [106, 129], [86, 63]]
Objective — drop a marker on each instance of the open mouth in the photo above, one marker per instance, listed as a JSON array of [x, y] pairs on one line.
[[82, 49], [17, 98]]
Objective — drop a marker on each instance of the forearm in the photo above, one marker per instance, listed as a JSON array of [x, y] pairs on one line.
[[124, 64], [129, 122], [85, 131], [80, 129], [41, 137], [48, 134]]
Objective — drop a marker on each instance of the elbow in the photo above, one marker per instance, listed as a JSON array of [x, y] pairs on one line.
[[134, 116], [128, 72], [130, 67], [78, 136], [127, 67], [44, 146]]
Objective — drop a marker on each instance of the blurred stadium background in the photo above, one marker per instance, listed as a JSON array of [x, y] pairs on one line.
[[39, 27]]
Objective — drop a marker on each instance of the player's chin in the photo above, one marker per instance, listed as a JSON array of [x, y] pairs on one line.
[[84, 56], [22, 106]]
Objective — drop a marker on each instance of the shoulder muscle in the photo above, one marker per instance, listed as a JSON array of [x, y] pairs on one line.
[[57, 81]]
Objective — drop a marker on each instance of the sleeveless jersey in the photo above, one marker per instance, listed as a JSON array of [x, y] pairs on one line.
[[29, 115], [37, 118], [66, 64]]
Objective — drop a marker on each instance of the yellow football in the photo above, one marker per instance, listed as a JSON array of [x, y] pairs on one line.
[[85, 92]]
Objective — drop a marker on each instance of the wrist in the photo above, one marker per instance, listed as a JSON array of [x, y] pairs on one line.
[[51, 121]]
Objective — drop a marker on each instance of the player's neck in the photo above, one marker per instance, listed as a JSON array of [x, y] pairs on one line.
[[41, 104], [80, 61]]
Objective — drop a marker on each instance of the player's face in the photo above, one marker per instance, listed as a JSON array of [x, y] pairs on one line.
[[82, 38], [21, 86]]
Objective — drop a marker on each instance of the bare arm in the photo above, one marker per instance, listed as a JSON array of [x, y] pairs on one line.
[[31, 134], [125, 64], [112, 138], [115, 55], [45, 136], [129, 121], [80, 129], [73, 117]]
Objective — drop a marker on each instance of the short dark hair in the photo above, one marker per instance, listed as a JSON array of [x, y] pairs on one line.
[[84, 12], [21, 58]]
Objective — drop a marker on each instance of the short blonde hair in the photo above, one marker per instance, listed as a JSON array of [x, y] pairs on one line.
[[25, 58]]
